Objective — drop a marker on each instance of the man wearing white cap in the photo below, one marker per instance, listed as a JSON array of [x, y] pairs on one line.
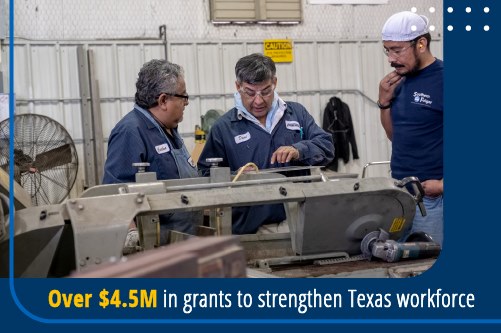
[[411, 103]]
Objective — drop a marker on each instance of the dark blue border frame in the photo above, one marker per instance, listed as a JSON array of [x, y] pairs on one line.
[[172, 321]]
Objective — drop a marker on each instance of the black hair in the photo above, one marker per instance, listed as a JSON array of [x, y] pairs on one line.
[[255, 68]]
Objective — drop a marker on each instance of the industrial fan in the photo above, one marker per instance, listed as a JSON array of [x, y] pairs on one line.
[[45, 158]]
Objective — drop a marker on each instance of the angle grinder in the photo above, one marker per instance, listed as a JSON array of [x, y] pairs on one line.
[[418, 245]]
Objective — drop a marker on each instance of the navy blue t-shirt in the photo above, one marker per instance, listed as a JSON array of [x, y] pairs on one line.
[[417, 117]]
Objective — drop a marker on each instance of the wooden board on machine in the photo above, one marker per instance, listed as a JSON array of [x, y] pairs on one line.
[[21, 197]]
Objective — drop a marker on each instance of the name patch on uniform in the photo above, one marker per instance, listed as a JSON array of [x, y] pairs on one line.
[[292, 125], [163, 148], [242, 137]]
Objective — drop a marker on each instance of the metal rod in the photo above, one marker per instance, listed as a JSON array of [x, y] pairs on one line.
[[373, 163], [163, 36], [243, 183], [292, 168]]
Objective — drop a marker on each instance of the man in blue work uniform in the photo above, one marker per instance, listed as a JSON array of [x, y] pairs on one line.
[[149, 134], [267, 131], [411, 104]]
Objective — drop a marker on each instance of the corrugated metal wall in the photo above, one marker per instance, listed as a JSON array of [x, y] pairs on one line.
[[46, 82]]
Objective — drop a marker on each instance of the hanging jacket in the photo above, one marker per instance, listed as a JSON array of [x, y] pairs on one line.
[[337, 121]]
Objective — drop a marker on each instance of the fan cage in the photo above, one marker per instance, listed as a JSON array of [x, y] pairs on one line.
[[45, 158]]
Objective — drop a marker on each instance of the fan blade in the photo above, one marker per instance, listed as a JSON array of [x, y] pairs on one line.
[[53, 158]]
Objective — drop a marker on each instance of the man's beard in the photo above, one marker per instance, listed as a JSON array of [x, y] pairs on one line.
[[413, 70]]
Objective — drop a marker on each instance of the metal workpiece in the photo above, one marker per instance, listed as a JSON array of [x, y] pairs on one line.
[[159, 186], [248, 182]]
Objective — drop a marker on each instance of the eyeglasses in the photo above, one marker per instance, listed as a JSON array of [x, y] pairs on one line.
[[186, 97], [263, 93], [398, 51]]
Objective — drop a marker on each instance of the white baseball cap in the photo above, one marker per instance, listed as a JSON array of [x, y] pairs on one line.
[[405, 26]]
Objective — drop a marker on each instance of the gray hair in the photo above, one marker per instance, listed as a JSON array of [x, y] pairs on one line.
[[156, 77], [255, 68]]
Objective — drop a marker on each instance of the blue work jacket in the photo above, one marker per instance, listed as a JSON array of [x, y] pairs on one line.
[[138, 138], [239, 141]]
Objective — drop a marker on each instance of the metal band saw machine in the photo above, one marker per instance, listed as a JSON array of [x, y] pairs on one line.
[[331, 218]]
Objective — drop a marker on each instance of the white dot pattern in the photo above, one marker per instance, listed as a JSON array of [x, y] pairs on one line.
[[468, 10]]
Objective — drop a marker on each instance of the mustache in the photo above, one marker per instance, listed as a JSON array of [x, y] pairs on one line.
[[395, 65]]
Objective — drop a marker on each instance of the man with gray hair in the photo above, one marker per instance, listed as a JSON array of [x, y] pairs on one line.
[[149, 134], [411, 106], [264, 130]]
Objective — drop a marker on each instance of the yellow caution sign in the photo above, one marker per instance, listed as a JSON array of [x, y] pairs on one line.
[[280, 50], [398, 224]]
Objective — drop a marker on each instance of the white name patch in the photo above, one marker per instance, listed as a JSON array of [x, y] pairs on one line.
[[292, 125], [242, 137], [163, 148]]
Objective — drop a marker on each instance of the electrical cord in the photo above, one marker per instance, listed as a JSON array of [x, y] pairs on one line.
[[242, 169]]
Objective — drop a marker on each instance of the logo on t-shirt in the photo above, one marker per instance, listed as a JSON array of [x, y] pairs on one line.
[[163, 148], [242, 137], [422, 98]]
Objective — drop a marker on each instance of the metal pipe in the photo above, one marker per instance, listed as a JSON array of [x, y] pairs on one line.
[[373, 163], [242, 183], [163, 36], [291, 168]]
